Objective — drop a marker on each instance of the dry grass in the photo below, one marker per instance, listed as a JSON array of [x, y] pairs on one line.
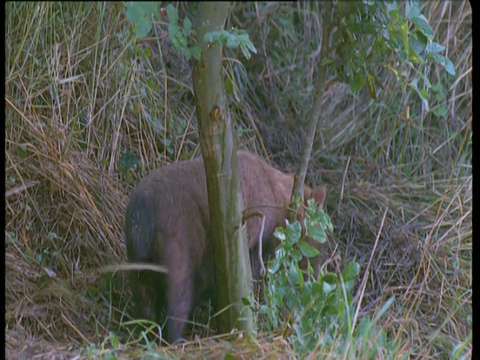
[[80, 92]]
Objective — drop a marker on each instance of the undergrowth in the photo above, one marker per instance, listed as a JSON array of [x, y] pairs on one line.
[[90, 109]]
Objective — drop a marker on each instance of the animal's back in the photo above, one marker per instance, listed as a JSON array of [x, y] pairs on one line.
[[171, 198], [264, 189]]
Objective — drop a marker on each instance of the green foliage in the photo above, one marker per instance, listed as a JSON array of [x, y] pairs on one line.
[[318, 222], [370, 340], [441, 110], [312, 307], [107, 349], [179, 36], [233, 39], [370, 30], [128, 161], [319, 311], [140, 14]]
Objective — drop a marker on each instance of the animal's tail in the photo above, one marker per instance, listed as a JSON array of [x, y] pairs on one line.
[[140, 227]]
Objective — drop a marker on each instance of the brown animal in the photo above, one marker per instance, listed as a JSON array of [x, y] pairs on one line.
[[167, 223]]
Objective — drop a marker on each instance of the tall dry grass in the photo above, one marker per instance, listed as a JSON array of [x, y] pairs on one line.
[[80, 91]]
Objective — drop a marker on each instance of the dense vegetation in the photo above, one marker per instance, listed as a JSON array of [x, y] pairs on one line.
[[90, 109]]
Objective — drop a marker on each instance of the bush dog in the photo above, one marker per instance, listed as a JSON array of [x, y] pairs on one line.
[[167, 223]]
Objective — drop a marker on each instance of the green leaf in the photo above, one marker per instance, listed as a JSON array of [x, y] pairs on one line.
[[187, 26], [299, 333], [223, 37], [423, 96], [113, 340], [377, 81], [439, 91], [172, 14], [392, 8], [209, 37], [440, 111], [173, 30], [128, 161], [296, 255], [188, 54], [140, 10], [181, 40], [294, 232], [140, 15], [229, 356], [143, 28], [294, 274], [280, 233], [412, 10], [434, 48], [305, 297], [307, 249], [418, 44], [329, 287], [245, 52], [212, 37], [330, 278], [317, 233], [329, 225], [176, 43], [291, 298], [133, 13], [358, 81], [363, 328], [404, 31], [245, 302], [228, 86], [326, 61], [371, 87], [422, 23], [351, 271], [232, 42], [250, 46], [384, 308], [280, 253], [196, 52], [317, 290], [348, 285], [447, 64], [130, 178], [275, 265]]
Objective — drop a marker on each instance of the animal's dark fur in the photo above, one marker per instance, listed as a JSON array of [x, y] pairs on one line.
[[167, 223]]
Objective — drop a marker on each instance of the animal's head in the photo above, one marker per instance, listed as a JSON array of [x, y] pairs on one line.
[[318, 194]]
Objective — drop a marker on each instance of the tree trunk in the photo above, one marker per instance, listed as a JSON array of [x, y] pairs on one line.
[[217, 141]]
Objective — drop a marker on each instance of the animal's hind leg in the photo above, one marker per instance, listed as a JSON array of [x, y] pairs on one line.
[[180, 289]]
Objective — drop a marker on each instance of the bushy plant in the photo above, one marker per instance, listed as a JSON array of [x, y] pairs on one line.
[[316, 312]]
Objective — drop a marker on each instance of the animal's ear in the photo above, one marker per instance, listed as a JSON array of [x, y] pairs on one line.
[[319, 194]]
